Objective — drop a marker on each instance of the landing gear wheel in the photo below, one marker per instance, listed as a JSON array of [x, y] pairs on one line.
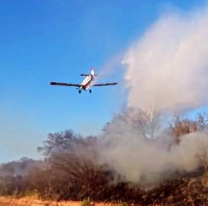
[[80, 91], [90, 91]]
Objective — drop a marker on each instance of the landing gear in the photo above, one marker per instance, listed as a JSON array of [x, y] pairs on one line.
[[90, 91], [80, 91]]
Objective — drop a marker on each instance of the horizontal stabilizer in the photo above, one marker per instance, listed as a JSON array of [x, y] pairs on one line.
[[85, 75]]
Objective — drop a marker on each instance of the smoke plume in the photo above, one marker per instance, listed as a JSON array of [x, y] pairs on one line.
[[141, 158], [168, 67]]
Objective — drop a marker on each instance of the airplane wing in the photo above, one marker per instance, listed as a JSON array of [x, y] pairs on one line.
[[65, 84], [106, 84]]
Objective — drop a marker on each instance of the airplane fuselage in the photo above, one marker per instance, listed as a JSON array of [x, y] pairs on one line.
[[86, 83]]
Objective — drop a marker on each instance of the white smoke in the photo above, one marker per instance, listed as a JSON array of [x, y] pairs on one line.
[[168, 67], [147, 161]]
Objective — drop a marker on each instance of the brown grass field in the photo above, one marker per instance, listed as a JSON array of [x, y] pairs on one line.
[[9, 201]]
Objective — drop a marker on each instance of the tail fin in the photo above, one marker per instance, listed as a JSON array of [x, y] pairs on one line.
[[92, 72]]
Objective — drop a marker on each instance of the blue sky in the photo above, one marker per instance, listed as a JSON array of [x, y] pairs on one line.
[[56, 40]]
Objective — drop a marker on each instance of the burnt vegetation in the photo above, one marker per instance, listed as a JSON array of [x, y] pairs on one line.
[[71, 170]]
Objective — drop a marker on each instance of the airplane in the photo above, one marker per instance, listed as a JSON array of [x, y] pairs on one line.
[[86, 84]]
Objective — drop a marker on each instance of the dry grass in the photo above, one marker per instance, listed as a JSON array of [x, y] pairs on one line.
[[9, 201]]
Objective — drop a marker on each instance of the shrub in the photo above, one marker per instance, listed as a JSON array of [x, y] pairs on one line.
[[123, 204], [86, 202]]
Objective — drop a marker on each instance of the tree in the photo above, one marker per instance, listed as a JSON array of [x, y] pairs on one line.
[[144, 123], [59, 142], [182, 125], [202, 152], [73, 162], [147, 122], [202, 156]]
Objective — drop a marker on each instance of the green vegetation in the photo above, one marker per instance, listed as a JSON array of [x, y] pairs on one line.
[[86, 202], [123, 204]]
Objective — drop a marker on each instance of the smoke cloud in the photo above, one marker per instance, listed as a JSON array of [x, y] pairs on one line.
[[168, 67], [130, 151]]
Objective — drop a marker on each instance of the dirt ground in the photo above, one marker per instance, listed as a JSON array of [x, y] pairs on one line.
[[34, 202]]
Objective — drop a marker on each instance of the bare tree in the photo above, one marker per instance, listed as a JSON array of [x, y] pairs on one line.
[[202, 121], [73, 168], [59, 142], [181, 126], [202, 152], [147, 121], [202, 156]]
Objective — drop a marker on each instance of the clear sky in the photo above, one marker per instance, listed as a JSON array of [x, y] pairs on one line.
[[57, 40]]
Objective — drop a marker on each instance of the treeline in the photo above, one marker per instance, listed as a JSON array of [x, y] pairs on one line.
[[72, 170]]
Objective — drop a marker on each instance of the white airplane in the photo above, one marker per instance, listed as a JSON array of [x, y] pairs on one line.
[[86, 84]]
